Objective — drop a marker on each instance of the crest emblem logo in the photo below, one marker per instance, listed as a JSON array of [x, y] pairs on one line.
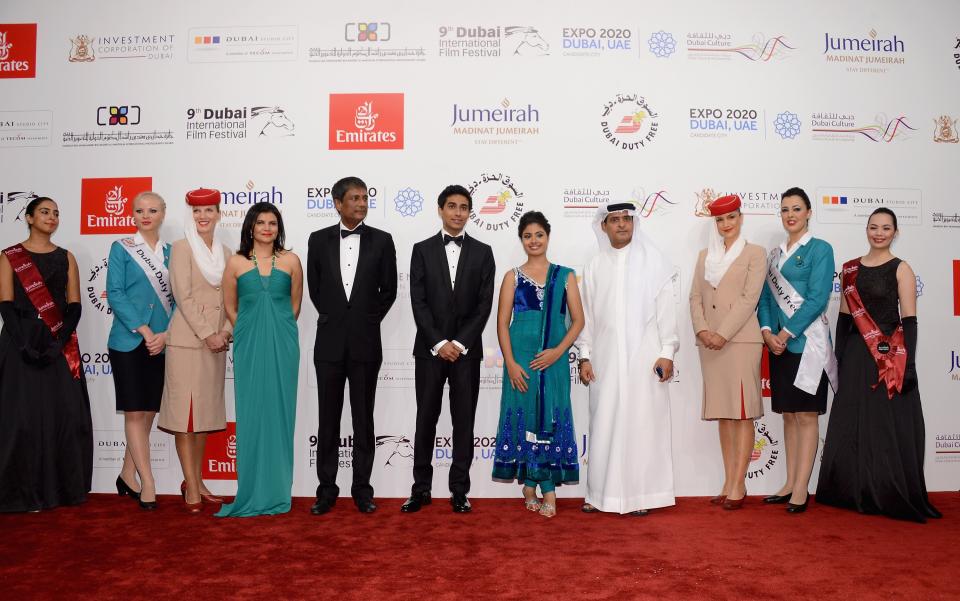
[[81, 49], [945, 130], [704, 198]]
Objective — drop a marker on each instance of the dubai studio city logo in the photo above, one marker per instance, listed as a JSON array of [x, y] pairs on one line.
[[408, 202], [718, 122], [498, 203], [709, 45], [871, 53], [596, 41], [853, 206], [242, 44], [25, 128], [368, 41], [628, 122], [105, 205], [847, 127], [945, 130], [225, 124], [662, 44], [117, 125], [497, 124], [787, 125], [366, 122], [151, 47], [753, 202], [478, 41], [18, 50]]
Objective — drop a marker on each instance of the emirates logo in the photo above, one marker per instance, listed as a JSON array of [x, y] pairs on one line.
[[115, 201]]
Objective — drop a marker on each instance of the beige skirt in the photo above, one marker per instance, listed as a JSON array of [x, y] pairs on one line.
[[193, 391], [731, 381]]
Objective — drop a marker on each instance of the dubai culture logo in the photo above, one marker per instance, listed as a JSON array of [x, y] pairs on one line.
[[833, 126], [719, 46], [628, 122], [945, 129], [662, 44], [787, 125], [408, 202], [650, 204]]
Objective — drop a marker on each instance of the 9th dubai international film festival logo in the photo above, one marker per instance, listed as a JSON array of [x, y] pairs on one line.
[[498, 204], [628, 122], [224, 124], [491, 42], [718, 45]]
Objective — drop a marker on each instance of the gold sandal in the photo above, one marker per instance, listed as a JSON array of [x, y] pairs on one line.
[[548, 510]]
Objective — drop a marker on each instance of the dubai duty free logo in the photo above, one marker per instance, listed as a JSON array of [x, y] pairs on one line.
[[628, 122]]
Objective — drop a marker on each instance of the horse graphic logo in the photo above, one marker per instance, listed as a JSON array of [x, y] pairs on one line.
[[81, 51], [9, 203], [527, 40], [399, 449], [115, 201], [4, 46], [271, 121]]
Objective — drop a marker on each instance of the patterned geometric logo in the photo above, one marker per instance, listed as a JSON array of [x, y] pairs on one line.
[[118, 115], [408, 202], [662, 44], [366, 32], [204, 40], [834, 200], [787, 125]]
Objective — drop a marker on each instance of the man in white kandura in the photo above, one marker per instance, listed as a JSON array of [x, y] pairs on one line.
[[626, 358]]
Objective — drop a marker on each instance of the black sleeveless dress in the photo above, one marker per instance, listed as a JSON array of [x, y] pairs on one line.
[[46, 434], [873, 453]]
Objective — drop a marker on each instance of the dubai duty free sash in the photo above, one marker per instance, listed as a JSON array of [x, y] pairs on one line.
[[817, 356], [889, 352], [39, 295], [154, 269]]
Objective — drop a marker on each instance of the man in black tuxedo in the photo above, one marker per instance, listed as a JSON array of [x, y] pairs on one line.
[[352, 278], [451, 292]]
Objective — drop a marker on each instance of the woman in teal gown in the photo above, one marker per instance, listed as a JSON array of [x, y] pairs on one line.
[[536, 325], [262, 289]]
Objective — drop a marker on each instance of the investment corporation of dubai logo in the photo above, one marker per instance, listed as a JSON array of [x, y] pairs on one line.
[[596, 41], [766, 451], [366, 122], [787, 125], [25, 128], [242, 44], [408, 202], [869, 53], [662, 44], [120, 124], [854, 205], [478, 41], [710, 45], [18, 50], [105, 204], [368, 41], [96, 287], [848, 127], [220, 454], [628, 122], [497, 202], [720, 122], [753, 202], [501, 123], [945, 130], [151, 47], [225, 123]]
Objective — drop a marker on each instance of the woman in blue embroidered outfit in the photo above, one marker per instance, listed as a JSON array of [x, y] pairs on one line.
[[536, 325]]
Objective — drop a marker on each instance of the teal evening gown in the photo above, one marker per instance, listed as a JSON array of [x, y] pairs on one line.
[[266, 357]]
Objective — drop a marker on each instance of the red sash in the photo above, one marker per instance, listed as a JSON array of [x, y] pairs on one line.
[[890, 352], [39, 295]]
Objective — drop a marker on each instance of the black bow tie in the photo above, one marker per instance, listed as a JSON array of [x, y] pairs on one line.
[[447, 239], [356, 231]]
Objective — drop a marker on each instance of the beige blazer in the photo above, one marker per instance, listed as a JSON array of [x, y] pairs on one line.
[[199, 312], [730, 309]]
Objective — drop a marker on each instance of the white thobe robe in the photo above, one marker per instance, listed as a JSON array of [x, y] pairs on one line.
[[629, 459]]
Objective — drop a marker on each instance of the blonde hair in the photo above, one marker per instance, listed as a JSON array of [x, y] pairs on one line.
[[163, 203]]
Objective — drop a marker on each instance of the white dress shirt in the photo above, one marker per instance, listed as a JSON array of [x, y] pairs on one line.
[[349, 253], [453, 259]]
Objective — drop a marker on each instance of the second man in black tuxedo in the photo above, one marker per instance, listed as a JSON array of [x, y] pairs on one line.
[[352, 278], [451, 293]]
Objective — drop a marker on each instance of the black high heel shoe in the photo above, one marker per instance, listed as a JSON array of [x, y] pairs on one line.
[[124, 489], [147, 505], [793, 508], [773, 499]]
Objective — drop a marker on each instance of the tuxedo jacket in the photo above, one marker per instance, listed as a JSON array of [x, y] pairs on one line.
[[443, 312], [351, 327]]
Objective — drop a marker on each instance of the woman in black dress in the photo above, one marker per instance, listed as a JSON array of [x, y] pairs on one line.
[[46, 435], [873, 453]]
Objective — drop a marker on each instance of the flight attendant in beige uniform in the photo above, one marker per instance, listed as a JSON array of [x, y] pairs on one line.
[[723, 300], [197, 340]]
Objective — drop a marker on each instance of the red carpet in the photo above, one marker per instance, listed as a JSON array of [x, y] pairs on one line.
[[110, 549]]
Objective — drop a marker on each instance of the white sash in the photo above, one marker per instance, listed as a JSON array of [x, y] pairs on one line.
[[155, 270], [818, 354]]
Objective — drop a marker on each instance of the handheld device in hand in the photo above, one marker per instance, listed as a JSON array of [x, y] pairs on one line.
[[659, 371]]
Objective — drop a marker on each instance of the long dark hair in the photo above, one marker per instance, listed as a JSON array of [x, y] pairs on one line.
[[246, 232]]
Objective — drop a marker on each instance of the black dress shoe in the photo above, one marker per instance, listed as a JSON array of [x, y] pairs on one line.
[[640, 513], [774, 499], [792, 508], [322, 506], [124, 489], [365, 505], [461, 504], [147, 505], [415, 502]]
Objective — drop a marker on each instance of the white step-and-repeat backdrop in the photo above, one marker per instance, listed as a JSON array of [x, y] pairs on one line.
[[553, 106]]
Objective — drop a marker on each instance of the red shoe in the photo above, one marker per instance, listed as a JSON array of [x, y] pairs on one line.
[[211, 498], [732, 504], [718, 500]]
